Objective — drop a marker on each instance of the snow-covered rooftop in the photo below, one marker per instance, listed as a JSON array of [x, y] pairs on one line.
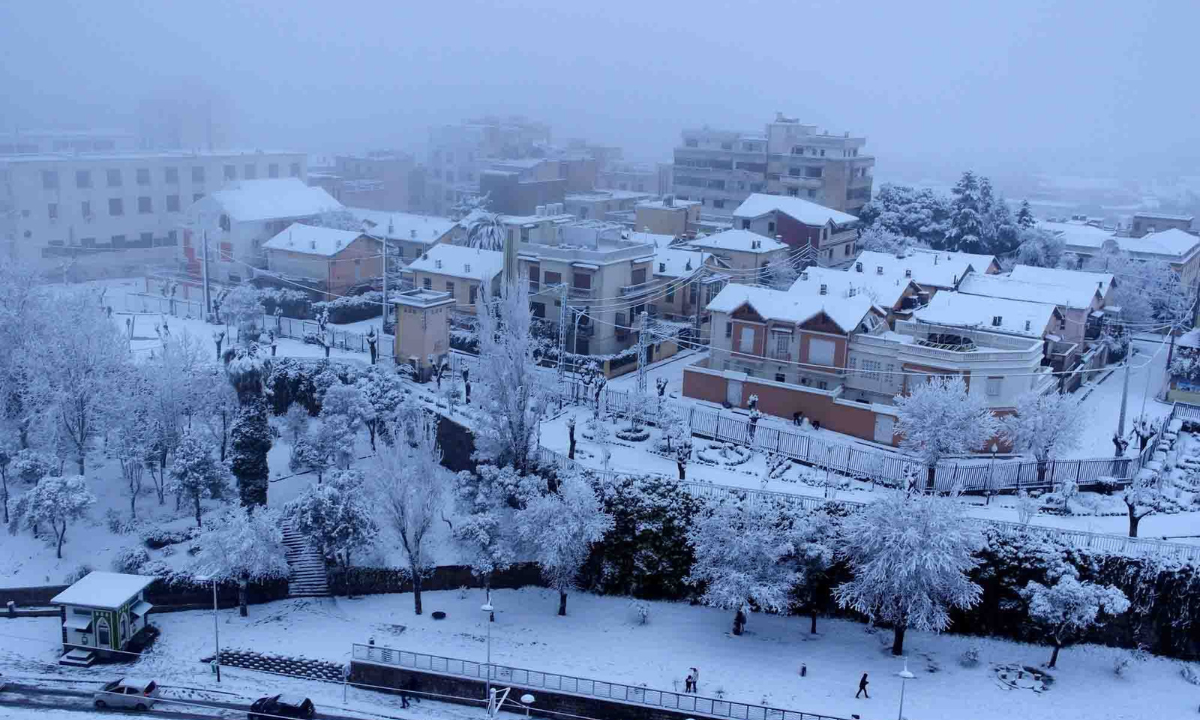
[[678, 262], [1163, 216], [939, 270], [273, 199], [979, 263], [805, 211], [1174, 243], [1001, 286], [657, 240], [312, 240], [403, 226], [844, 310], [738, 241], [883, 290], [103, 590], [1015, 317], [676, 204], [459, 261], [1065, 278]]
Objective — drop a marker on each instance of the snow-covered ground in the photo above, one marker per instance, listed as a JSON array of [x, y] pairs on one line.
[[601, 639]]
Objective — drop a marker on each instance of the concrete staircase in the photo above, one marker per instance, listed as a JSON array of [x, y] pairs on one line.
[[309, 578]]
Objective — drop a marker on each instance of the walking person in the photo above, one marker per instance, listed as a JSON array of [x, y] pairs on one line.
[[695, 680], [862, 688]]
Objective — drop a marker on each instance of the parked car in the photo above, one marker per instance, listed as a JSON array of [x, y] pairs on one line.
[[135, 693], [285, 705]]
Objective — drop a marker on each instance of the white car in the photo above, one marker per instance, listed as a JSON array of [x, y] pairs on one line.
[[133, 693]]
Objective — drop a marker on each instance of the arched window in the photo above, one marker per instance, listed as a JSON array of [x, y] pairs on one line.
[[103, 633]]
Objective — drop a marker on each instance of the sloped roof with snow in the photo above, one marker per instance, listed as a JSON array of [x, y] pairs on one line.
[[273, 199], [1174, 242], [1079, 234], [940, 270], [796, 308], [459, 261], [404, 226], [312, 240], [1001, 286], [1102, 282], [738, 241], [979, 263], [680, 262], [103, 590], [883, 290], [804, 211], [655, 239], [956, 309]]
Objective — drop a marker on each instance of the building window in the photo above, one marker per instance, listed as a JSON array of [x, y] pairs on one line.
[[172, 237], [449, 287], [52, 211], [231, 172], [171, 175], [114, 178], [793, 192], [198, 174], [117, 241], [85, 209], [83, 178], [691, 142], [172, 203], [539, 310], [147, 239], [427, 283], [251, 172], [771, 228], [552, 278], [474, 293], [746, 340], [143, 176], [670, 293], [718, 203], [294, 170], [273, 170], [116, 207], [812, 193], [726, 146], [849, 249], [49, 179], [728, 329], [993, 386], [780, 378], [144, 205], [583, 281]]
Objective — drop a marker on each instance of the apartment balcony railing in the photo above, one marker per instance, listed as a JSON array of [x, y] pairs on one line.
[[782, 356], [639, 289], [579, 293]]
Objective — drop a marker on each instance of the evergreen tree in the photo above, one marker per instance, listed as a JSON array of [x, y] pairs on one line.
[[1025, 218], [966, 233]]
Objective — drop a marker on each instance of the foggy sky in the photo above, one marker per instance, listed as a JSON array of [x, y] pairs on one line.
[[1099, 86]]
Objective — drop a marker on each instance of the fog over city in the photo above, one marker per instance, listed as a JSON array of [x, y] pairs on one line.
[[1062, 86]]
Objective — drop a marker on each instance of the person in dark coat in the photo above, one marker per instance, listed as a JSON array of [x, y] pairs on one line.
[[862, 687]]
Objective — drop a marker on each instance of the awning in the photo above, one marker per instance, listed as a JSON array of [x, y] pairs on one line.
[[78, 622], [584, 266], [141, 609]]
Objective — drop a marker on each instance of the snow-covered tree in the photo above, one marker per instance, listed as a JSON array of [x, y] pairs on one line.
[[512, 394], [939, 418], [244, 310], [345, 410], [910, 556], [1044, 426], [921, 215], [484, 230], [411, 488], [318, 450], [966, 232], [1147, 494], [1025, 218], [196, 474], [1149, 293], [245, 545], [1027, 506], [1069, 607], [250, 435], [1040, 247], [559, 529], [382, 391], [335, 516], [216, 408], [54, 502], [780, 273], [484, 519], [130, 444], [745, 551], [883, 240]]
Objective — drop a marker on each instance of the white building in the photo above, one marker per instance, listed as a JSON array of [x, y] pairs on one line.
[[115, 212]]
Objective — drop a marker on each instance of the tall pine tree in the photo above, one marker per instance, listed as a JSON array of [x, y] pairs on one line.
[[966, 232], [1025, 217]]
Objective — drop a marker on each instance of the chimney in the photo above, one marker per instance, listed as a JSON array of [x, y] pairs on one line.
[[878, 269], [997, 320], [908, 272], [466, 267], [824, 289], [803, 274], [857, 267], [689, 265], [669, 201], [312, 244]]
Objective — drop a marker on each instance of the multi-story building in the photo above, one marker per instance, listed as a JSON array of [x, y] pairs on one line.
[[331, 262], [461, 272], [931, 271], [597, 204], [409, 234], [116, 212], [721, 168], [1089, 244], [818, 234], [235, 221], [1144, 223], [458, 153], [895, 298], [652, 178], [742, 250], [41, 142], [378, 180], [1079, 296], [669, 216]]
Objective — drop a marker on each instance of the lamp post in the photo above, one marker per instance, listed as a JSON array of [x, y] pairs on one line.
[[216, 626], [905, 676], [487, 609], [992, 480]]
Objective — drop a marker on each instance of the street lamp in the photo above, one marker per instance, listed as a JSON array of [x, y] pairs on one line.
[[905, 676], [216, 627], [991, 489], [487, 609]]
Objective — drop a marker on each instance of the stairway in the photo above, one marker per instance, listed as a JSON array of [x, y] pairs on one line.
[[309, 578]]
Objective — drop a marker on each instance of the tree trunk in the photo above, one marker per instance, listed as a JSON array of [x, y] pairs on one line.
[[930, 479], [562, 602], [682, 470], [196, 497], [1134, 519], [571, 437], [243, 593], [79, 462], [898, 639], [1041, 472], [812, 630], [132, 506], [1054, 655], [62, 534], [371, 429], [4, 489], [218, 345], [349, 585], [739, 622], [417, 592]]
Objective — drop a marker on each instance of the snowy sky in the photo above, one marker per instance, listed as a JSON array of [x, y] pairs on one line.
[[1077, 85]]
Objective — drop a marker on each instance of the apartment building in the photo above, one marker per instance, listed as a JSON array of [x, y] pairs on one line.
[[459, 153], [376, 180], [41, 142], [461, 272], [1144, 223], [116, 212], [1080, 297], [597, 204], [236, 220], [652, 178], [409, 235], [669, 216], [722, 168], [894, 298], [742, 249], [818, 235], [331, 262], [931, 271]]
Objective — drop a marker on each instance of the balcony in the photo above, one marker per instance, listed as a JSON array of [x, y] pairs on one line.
[[781, 356], [579, 293], [638, 289]]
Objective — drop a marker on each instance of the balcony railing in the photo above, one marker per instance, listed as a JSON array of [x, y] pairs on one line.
[[580, 293], [639, 289], [776, 355]]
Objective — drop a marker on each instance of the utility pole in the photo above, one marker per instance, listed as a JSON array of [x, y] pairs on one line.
[[1124, 395], [383, 323], [641, 368], [562, 337], [204, 275], [696, 321]]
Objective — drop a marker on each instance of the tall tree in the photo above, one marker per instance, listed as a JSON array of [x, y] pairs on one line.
[[250, 436], [1025, 218], [939, 418], [559, 528], [1040, 248], [1069, 607], [910, 556], [243, 545], [966, 232], [1044, 426], [336, 517], [196, 474], [54, 502], [512, 395], [484, 230], [244, 310], [1147, 494], [484, 524]]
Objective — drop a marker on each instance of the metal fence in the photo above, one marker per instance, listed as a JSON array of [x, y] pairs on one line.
[[175, 307], [630, 694], [348, 340]]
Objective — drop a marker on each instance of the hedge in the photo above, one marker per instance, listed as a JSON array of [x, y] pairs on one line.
[[351, 309]]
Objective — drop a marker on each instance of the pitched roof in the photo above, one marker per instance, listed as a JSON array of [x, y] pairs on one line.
[[459, 261], [273, 199], [1001, 286], [655, 239], [844, 310], [1079, 234], [1173, 242], [404, 226], [883, 290], [102, 589], [1066, 278], [738, 241], [679, 262], [940, 270], [979, 263], [956, 309], [805, 211], [312, 240]]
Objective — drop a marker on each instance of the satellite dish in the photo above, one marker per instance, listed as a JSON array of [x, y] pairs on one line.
[[527, 699]]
